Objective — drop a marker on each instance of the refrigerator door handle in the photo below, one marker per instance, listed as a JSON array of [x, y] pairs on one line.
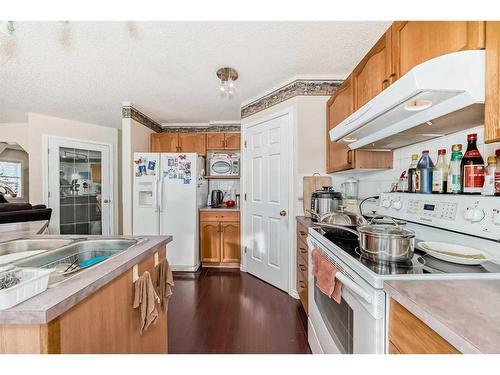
[[159, 195]]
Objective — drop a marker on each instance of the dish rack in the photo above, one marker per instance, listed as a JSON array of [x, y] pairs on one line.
[[33, 281], [79, 257]]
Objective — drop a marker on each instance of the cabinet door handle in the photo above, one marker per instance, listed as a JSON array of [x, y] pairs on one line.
[[302, 267], [302, 250], [385, 83], [302, 284], [302, 233], [349, 157]]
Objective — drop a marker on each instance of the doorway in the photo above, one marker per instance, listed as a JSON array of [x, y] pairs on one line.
[[80, 187], [267, 167]]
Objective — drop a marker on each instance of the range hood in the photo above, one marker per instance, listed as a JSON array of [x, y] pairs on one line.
[[438, 97]]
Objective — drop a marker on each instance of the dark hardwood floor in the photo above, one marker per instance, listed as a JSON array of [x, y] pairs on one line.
[[228, 311]]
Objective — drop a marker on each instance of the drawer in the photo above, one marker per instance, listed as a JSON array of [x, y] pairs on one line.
[[302, 232], [302, 289], [302, 266], [220, 216], [302, 250]]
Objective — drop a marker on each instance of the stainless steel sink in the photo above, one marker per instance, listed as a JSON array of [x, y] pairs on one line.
[[23, 247], [62, 259]]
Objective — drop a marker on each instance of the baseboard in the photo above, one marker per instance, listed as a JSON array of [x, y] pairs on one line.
[[294, 293], [184, 268]]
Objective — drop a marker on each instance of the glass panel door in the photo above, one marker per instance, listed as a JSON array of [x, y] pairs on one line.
[[79, 187], [80, 191]]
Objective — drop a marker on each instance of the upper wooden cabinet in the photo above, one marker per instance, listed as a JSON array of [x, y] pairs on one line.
[[193, 142], [179, 142], [374, 73], [492, 99], [414, 42], [223, 141], [338, 107], [164, 142]]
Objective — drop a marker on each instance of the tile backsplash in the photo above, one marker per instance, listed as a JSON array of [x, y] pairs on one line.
[[225, 186], [375, 182]]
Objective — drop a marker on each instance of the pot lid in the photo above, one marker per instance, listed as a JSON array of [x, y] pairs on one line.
[[342, 218], [327, 192]]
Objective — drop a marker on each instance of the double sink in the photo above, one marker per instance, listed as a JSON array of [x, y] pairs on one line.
[[61, 255]]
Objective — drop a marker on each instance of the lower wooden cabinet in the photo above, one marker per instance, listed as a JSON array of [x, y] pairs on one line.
[[302, 266], [409, 335], [220, 239]]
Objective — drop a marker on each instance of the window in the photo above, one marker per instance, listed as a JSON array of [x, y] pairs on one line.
[[11, 175]]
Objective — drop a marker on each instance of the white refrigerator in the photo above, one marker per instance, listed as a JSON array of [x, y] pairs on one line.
[[169, 189]]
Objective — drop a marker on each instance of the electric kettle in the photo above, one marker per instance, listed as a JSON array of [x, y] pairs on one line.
[[216, 198]]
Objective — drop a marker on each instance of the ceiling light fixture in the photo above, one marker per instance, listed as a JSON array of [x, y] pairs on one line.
[[7, 27], [227, 77]]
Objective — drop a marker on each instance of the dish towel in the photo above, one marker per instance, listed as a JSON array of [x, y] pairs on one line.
[[164, 282], [145, 298], [325, 276]]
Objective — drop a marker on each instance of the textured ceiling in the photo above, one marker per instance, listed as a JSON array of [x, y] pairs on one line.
[[85, 70]]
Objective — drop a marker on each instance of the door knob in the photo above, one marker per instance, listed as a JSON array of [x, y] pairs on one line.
[[282, 213], [107, 201]]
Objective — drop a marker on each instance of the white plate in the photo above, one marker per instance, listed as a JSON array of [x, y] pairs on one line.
[[435, 249]]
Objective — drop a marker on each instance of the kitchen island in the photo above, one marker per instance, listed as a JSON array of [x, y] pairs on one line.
[[91, 312], [463, 314]]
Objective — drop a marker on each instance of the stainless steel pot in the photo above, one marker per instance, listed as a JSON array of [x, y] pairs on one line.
[[387, 243]]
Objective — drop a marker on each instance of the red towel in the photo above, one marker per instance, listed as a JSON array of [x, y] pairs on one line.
[[325, 276]]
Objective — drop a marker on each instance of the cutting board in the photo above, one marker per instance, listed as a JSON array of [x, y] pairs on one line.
[[312, 183]]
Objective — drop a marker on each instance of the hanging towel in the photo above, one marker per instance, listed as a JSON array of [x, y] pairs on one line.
[[164, 282], [325, 276], [145, 297]]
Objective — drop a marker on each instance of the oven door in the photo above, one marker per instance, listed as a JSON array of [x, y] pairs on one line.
[[220, 167], [356, 325]]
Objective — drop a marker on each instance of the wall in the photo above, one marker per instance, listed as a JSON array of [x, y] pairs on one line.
[[40, 125], [15, 132], [21, 156], [373, 183], [135, 138]]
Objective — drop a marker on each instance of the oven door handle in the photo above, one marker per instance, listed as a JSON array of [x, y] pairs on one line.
[[347, 282]]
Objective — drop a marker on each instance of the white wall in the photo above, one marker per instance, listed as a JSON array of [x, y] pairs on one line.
[[135, 138], [373, 183], [15, 132]]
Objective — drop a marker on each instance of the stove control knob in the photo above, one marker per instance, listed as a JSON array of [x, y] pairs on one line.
[[496, 217], [386, 203], [474, 214], [397, 205]]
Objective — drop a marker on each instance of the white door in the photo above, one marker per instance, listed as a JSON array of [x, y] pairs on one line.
[[80, 187], [266, 184]]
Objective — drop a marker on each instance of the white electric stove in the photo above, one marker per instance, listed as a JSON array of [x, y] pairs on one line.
[[358, 324]]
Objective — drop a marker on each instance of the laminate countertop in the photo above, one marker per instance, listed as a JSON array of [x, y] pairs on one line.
[[466, 313], [24, 229], [211, 209], [307, 221], [58, 299]]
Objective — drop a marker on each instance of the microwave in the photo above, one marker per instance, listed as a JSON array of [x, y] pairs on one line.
[[224, 165]]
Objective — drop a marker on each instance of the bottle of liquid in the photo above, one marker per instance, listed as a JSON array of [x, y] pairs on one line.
[[489, 178], [497, 173], [472, 168], [440, 173], [455, 170], [425, 167], [412, 183]]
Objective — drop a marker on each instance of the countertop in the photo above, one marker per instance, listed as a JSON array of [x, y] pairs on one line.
[[48, 305], [307, 221], [466, 313], [220, 209], [19, 230]]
